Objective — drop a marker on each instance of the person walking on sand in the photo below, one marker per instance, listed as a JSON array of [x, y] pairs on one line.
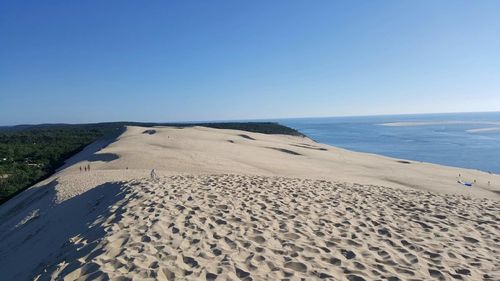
[[88, 167], [153, 174], [80, 168]]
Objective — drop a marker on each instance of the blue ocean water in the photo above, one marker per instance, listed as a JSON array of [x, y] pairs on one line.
[[468, 140]]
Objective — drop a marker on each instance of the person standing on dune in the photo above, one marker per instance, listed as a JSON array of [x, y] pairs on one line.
[[153, 174]]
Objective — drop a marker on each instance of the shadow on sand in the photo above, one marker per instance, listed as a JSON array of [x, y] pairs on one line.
[[36, 231], [104, 157], [91, 151]]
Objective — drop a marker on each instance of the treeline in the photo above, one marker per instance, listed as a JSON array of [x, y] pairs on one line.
[[30, 153], [256, 127]]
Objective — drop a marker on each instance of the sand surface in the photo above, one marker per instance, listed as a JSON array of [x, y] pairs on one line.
[[233, 205], [482, 130], [427, 123]]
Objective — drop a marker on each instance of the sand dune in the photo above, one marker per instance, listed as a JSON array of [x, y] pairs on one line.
[[232, 205], [201, 150]]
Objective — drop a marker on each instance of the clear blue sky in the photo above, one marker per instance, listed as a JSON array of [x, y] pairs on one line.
[[90, 61]]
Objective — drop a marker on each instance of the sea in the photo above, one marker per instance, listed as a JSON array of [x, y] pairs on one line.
[[466, 140]]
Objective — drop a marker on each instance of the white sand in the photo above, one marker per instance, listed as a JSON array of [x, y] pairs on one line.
[[233, 205], [484, 130], [433, 123]]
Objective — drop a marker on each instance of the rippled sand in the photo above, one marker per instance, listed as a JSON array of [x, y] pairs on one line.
[[231, 227]]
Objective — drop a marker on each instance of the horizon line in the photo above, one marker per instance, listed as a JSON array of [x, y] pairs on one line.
[[252, 119]]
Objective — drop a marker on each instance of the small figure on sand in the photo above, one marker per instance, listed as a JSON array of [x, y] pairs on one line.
[[153, 174], [85, 168], [80, 168], [88, 167]]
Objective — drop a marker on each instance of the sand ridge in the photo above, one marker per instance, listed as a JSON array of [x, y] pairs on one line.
[[200, 150]]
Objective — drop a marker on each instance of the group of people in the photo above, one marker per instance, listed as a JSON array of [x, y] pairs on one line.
[[85, 168]]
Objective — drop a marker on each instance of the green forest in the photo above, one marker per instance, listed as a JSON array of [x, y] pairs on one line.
[[30, 153]]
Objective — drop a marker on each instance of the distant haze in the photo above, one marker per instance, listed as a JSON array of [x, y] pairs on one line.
[[93, 61]]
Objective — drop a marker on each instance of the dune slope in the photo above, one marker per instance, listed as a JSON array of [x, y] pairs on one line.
[[233, 227], [232, 205]]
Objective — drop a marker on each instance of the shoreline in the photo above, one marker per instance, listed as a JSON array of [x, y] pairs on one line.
[[460, 144], [415, 161]]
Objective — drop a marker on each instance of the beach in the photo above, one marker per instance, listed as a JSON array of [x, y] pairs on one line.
[[236, 205]]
